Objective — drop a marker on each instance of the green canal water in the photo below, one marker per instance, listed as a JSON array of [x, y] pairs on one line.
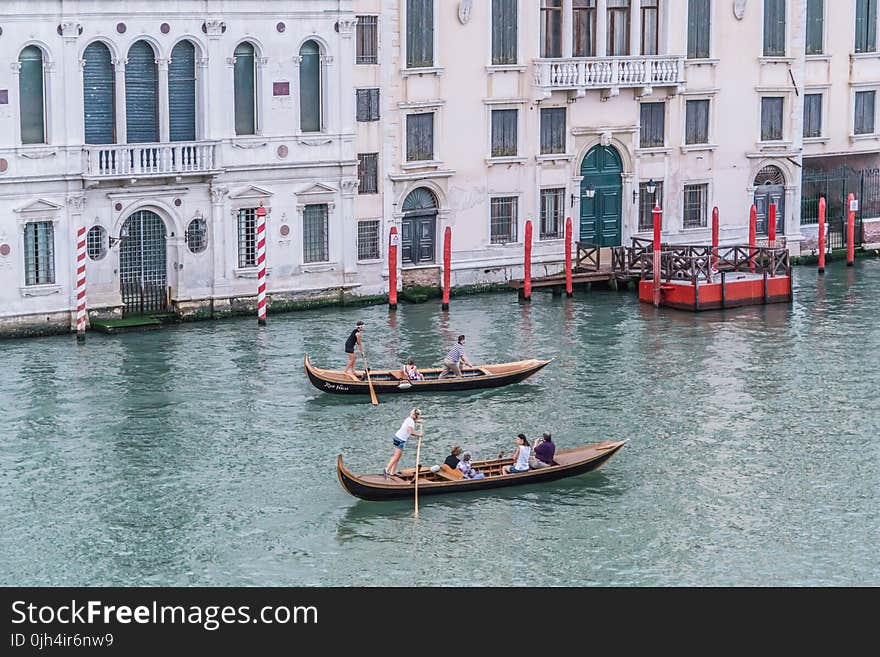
[[201, 455]]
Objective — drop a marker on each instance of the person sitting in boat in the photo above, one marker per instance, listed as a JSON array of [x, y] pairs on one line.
[[468, 470], [520, 456], [452, 460], [544, 450], [454, 359], [411, 372]]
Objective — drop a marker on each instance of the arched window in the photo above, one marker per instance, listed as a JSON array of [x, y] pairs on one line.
[[31, 96], [182, 92], [245, 97], [99, 92], [142, 94], [310, 87], [769, 175]]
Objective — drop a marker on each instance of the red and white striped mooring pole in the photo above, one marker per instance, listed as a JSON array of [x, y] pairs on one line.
[[261, 265], [658, 215], [81, 284]]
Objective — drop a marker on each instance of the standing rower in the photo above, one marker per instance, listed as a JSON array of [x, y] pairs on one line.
[[353, 339]]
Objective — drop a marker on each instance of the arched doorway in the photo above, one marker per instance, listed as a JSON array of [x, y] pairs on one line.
[[601, 210], [143, 273], [419, 228], [770, 188]]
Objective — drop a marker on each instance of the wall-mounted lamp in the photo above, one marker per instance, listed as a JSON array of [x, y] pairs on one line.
[[116, 240], [651, 187], [590, 191]]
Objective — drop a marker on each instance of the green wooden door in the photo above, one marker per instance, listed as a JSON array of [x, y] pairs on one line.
[[601, 215]]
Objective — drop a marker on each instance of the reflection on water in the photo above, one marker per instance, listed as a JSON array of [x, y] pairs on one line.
[[200, 454]]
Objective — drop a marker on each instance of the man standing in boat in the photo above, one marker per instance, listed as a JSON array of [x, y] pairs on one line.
[[353, 339], [454, 359]]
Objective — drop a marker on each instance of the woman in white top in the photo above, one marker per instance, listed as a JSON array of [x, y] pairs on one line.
[[407, 429], [520, 456]]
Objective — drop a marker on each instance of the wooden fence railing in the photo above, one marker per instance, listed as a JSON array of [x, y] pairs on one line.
[[693, 263], [589, 257]]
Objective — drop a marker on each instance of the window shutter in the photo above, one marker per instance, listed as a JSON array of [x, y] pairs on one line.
[[815, 26], [504, 133], [182, 92], [504, 31], [141, 94], [30, 91], [310, 87], [363, 104], [419, 33], [697, 122], [245, 109], [774, 28], [99, 91]]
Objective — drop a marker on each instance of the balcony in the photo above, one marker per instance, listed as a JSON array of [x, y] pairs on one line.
[[608, 73], [150, 160]]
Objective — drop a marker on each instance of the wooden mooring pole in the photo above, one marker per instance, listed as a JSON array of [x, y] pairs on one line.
[[658, 214], [771, 227], [392, 268], [447, 265], [568, 232], [715, 236], [753, 235], [821, 245], [527, 264], [851, 205]]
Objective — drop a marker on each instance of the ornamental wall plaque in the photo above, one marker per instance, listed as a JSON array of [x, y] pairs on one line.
[[464, 11], [739, 9]]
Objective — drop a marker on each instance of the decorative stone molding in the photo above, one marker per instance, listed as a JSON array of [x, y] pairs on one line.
[[162, 63], [202, 62], [297, 60], [261, 62], [349, 186], [119, 63], [214, 28], [605, 138], [346, 26], [230, 61], [739, 9], [314, 141], [326, 60], [71, 30], [464, 11], [218, 194], [76, 202], [15, 66]]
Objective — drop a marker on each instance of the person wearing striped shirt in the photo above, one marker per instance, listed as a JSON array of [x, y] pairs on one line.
[[454, 359]]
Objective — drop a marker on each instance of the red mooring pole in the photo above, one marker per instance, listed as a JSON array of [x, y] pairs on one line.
[[753, 235], [392, 268], [771, 227], [261, 265], [822, 235], [658, 215], [81, 284], [568, 285], [715, 236], [527, 263], [850, 230], [447, 265]]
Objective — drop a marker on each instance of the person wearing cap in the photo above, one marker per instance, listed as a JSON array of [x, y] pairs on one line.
[[353, 339], [545, 450], [407, 429]]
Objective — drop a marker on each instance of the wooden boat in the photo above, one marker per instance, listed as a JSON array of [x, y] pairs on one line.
[[567, 463], [480, 376]]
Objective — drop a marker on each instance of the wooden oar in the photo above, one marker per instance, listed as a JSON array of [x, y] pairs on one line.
[[418, 454], [373, 399]]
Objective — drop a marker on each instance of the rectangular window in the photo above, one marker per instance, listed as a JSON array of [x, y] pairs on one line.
[[552, 130], [504, 31], [315, 234], [864, 118], [696, 122], [812, 115], [771, 119], [247, 237], [368, 240], [504, 133], [551, 28], [367, 40], [653, 124], [39, 253], [419, 137], [368, 173], [695, 201], [31, 96], [419, 33], [866, 26], [815, 27], [774, 28], [552, 208], [650, 27], [647, 201], [504, 219], [583, 28], [618, 27], [699, 26], [367, 105]]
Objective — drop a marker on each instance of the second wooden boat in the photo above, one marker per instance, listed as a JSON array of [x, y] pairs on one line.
[[480, 376]]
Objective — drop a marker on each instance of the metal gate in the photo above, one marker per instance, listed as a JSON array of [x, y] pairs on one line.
[[143, 274], [835, 186]]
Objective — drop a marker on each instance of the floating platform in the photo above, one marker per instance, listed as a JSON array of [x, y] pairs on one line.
[[130, 323], [723, 290]]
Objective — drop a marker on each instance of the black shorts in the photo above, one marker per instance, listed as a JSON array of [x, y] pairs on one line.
[[349, 351]]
